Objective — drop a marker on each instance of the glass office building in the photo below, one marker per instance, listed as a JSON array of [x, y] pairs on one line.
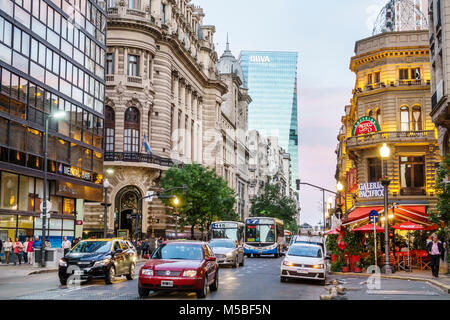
[[272, 81], [52, 57]]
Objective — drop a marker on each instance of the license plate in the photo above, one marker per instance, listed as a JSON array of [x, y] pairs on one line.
[[78, 272], [302, 271], [166, 283]]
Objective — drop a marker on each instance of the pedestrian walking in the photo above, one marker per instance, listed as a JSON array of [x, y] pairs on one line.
[[37, 243], [74, 242], [29, 249], [47, 244], [66, 245], [24, 252], [7, 247], [18, 248], [436, 251], [160, 241], [139, 248], [144, 247]]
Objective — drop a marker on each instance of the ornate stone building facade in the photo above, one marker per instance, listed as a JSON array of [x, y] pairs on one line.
[[234, 126], [162, 88], [390, 104], [439, 27]]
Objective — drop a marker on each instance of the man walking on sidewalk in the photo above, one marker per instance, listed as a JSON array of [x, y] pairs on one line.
[[7, 247], [435, 250], [66, 245]]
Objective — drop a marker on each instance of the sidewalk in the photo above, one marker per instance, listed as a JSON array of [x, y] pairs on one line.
[[11, 270], [443, 282]]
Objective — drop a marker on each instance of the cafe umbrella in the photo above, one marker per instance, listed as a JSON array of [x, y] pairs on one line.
[[409, 226], [371, 228]]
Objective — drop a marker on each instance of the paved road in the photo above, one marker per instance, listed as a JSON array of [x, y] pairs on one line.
[[258, 280]]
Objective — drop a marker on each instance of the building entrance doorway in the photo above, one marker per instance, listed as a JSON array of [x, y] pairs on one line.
[[127, 205]]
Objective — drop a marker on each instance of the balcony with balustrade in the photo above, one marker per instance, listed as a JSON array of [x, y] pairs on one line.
[[391, 137]]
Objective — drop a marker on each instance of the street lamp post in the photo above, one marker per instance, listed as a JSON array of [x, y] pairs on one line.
[[176, 201], [105, 214], [58, 115], [385, 153]]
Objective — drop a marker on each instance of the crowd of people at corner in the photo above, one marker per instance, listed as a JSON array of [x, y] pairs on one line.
[[17, 251]]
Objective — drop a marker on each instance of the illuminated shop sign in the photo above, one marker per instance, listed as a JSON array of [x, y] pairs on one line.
[[371, 190], [365, 125]]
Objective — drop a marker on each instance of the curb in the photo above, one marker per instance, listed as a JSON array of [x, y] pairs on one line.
[[42, 271], [439, 284]]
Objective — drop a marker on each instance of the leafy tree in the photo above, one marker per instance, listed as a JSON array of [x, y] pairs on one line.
[[272, 204], [442, 214], [208, 196]]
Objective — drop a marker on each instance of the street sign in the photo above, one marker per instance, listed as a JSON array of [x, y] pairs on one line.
[[49, 206], [374, 216], [79, 222], [149, 196]]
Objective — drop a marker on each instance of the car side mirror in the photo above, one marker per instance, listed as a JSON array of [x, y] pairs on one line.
[[211, 259]]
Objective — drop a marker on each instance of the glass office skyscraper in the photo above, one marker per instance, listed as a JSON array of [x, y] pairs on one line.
[[52, 57], [272, 81]]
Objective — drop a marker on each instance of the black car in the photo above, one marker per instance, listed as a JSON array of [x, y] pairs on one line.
[[93, 259]]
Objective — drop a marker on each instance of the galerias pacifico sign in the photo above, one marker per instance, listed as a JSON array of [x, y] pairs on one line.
[[365, 125]]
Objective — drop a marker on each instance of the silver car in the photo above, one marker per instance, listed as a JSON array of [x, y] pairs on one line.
[[227, 252]]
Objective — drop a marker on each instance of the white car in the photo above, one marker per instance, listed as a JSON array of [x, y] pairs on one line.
[[304, 261]]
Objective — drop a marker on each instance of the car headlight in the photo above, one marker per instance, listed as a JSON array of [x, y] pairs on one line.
[[102, 263], [190, 273], [288, 263], [318, 266], [62, 263], [147, 272], [229, 254]]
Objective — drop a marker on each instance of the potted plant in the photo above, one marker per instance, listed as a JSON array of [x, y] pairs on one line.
[[358, 267], [345, 268]]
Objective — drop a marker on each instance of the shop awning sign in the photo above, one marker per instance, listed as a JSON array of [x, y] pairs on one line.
[[371, 190], [365, 125]]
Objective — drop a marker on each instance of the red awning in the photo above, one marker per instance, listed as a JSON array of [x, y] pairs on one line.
[[415, 214], [369, 228], [362, 213]]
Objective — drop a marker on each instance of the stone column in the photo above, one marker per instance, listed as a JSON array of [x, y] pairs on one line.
[[200, 133], [175, 129], [188, 138], [182, 129], [116, 61], [125, 61]]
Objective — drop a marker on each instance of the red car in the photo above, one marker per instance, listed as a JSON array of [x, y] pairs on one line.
[[180, 266]]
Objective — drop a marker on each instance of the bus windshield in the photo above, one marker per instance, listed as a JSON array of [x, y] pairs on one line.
[[263, 233], [225, 234]]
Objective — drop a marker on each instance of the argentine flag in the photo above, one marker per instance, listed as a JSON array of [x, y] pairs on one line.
[[146, 146]]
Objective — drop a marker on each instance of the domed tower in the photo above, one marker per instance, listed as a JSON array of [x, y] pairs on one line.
[[234, 125]]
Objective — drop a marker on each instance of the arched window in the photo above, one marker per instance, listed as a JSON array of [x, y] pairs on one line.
[[417, 118], [404, 118], [131, 130], [378, 116], [110, 128]]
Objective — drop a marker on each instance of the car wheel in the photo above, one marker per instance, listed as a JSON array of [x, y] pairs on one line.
[[283, 279], [110, 275], [143, 292], [130, 276], [201, 294], [63, 281], [215, 284]]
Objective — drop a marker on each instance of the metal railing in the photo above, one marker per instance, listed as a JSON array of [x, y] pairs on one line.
[[141, 157], [390, 136]]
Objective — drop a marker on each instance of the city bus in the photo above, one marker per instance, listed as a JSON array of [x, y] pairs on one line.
[[263, 236], [228, 230]]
